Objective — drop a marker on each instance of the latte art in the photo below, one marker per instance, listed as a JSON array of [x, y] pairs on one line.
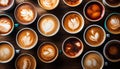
[[27, 14], [26, 38], [113, 23], [48, 3], [94, 35]]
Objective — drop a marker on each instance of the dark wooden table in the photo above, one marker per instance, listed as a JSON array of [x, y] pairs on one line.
[[62, 61]]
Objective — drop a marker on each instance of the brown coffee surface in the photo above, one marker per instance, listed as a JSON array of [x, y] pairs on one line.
[[73, 22], [73, 2], [26, 38], [6, 24], [26, 62], [94, 36], [94, 10], [113, 2], [48, 25], [73, 47], [48, 4], [6, 52], [25, 13], [112, 50], [92, 61], [47, 52], [113, 23]]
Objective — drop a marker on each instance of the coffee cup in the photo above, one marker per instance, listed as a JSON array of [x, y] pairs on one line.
[[94, 10], [72, 3], [6, 24], [94, 35], [112, 23], [47, 52], [111, 3], [26, 38], [7, 52], [6, 4], [25, 13], [92, 60], [72, 47], [48, 4], [73, 22], [25, 61], [48, 25], [111, 50]]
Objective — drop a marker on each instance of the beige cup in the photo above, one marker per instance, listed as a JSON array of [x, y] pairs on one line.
[[47, 52], [24, 61], [92, 60], [73, 22], [7, 52], [48, 25], [26, 38]]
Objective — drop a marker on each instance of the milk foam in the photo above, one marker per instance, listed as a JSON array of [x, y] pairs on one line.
[[73, 23], [47, 25], [48, 3], [94, 36], [4, 53], [4, 26], [27, 14], [48, 52], [114, 23], [4, 2]]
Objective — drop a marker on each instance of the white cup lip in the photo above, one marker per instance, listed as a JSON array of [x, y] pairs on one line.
[[53, 58], [48, 14], [27, 55], [111, 60], [47, 8], [104, 2], [80, 52], [83, 22], [12, 23], [27, 23], [73, 5], [92, 51], [105, 22], [86, 31], [33, 44], [103, 11], [8, 7], [13, 52]]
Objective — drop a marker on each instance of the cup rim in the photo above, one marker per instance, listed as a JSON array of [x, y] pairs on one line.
[[92, 51], [102, 14], [86, 31], [30, 46], [10, 59], [73, 5], [8, 7], [111, 60], [80, 52], [27, 55], [12, 23], [104, 2], [25, 23], [48, 14], [53, 58], [83, 22], [105, 22], [47, 8]]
